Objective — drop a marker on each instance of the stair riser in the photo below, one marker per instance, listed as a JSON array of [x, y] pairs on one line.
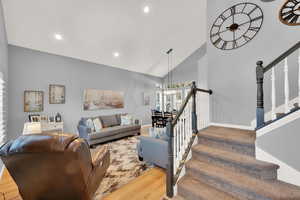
[[188, 195], [229, 146], [266, 174], [225, 186]]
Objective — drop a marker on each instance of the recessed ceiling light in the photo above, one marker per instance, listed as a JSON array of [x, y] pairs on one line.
[[116, 54], [58, 36], [146, 9]]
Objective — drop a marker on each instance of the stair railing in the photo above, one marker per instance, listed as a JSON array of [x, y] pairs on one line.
[[260, 73], [182, 131]]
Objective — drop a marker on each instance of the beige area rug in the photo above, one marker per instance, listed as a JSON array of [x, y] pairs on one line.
[[124, 166]]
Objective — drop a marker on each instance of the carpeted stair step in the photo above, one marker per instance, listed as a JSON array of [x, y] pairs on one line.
[[241, 185], [236, 140], [192, 189], [236, 162]]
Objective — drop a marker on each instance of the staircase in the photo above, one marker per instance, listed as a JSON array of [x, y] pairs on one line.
[[223, 167]]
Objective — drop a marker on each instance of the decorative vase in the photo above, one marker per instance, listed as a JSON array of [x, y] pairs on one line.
[[58, 118]]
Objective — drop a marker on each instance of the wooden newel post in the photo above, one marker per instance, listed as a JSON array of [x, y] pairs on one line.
[[170, 167], [260, 113], [194, 111]]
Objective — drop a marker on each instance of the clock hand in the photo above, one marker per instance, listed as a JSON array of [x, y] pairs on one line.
[[233, 35], [227, 29], [244, 23]]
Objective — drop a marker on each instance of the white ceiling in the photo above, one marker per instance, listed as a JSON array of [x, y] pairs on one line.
[[94, 29]]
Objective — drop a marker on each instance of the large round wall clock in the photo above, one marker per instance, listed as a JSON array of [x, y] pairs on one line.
[[290, 13], [236, 26]]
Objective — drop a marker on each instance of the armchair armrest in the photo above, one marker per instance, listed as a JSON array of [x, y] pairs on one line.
[[98, 158], [84, 131], [153, 150]]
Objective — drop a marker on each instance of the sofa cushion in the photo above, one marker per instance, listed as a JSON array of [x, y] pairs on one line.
[[126, 120], [105, 132], [97, 124], [109, 121], [89, 123]]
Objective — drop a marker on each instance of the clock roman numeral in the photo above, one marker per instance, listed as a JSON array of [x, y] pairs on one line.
[[256, 18], [223, 17], [294, 19], [288, 7], [217, 41], [234, 44], [246, 38], [295, 2], [287, 13], [218, 26], [224, 45], [214, 34], [288, 17], [244, 7], [254, 28], [233, 10], [252, 10]]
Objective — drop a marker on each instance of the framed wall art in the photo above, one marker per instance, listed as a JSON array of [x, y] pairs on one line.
[[57, 94], [33, 101], [146, 98], [102, 99]]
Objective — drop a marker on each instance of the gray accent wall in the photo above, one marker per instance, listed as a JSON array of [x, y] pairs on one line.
[[34, 70], [283, 143], [3, 59], [232, 73]]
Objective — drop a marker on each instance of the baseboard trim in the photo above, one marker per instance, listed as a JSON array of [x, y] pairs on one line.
[[286, 173], [232, 126]]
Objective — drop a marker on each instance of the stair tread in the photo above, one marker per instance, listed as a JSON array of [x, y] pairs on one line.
[[230, 134], [203, 190], [271, 189], [241, 159]]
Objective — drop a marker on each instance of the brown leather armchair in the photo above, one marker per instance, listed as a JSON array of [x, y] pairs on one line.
[[54, 166]]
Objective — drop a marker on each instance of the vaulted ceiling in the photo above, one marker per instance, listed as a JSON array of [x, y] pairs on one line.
[[93, 30]]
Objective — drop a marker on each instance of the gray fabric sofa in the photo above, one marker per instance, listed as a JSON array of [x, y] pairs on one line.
[[153, 150], [112, 129]]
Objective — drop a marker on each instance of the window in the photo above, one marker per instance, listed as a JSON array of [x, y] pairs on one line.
[[2, 111]]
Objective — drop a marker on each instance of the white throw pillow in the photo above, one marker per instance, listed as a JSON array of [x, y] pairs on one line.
[[97, 124], [126, 120], [90, 124]]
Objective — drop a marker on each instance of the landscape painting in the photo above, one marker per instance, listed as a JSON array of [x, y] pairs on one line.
[[33, 101], [57, 94], [102, 99]]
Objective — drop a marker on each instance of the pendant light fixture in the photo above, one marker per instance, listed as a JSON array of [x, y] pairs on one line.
[[170, 64]]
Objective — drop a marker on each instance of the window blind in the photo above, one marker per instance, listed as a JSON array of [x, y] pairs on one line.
[[2, 110]]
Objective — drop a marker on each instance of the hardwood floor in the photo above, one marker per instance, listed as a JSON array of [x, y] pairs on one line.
[[8, 188], [149, 186]]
